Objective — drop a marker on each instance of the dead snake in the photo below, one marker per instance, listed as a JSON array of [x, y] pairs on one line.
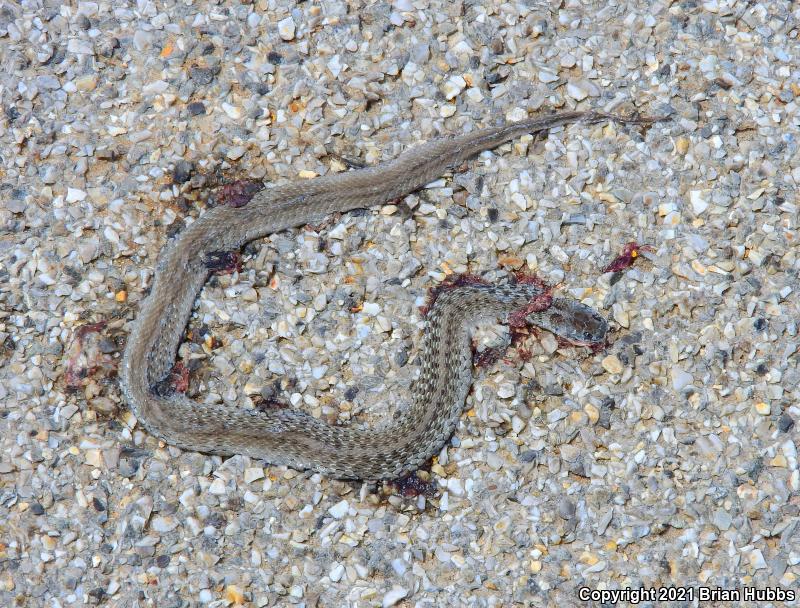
[[292, 437]]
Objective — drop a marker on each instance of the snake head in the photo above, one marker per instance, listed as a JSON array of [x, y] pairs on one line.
[[575, 322]]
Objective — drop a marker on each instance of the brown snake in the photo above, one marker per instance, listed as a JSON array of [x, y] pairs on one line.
[[292, 437]]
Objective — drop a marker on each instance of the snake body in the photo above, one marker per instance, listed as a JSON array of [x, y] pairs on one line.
[[292, 437]]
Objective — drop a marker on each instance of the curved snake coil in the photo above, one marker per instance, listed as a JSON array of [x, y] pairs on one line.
[[292, 437]]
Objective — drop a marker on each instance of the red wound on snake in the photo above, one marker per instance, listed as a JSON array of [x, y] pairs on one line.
[[538, 303], [451, 282], [531, 279], [177, 381], [179, 377], [238, 193], [487, 357], [265, 405], [518, 321], [412, 486], [628, 256], [223, 262]]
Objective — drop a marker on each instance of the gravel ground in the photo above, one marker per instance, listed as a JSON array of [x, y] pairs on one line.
[[667, 459]]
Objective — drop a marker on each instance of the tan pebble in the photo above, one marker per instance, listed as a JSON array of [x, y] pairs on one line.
[[209, 559], [93, 458], [664, 209], [503, 524], [578, 418], [86, 83], [234, 594], [778, 461], [129, 418], [121, 295], [699, 268], [589, 558], [763, 408], [103, 405], [746, 492], [337, 166], [592, 412], [623, 318], [682, 145], [510, 261], [612, 364], [536, 566], [252, 388]]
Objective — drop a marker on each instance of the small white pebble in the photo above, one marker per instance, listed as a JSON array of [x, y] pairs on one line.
[[680, 378], [453, 86], [698, 202], [232, 111], [393, 596], [576, 91], [217, 487], [371, 308], [74, 195], [757, 559], [252, 474], [336, 573], [236, 152], [286, 29], [163, 524], [454, 486], [506, 390], [547, 76], [340, 509]]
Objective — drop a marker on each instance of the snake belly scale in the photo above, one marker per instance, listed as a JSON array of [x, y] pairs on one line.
[[292, 437]]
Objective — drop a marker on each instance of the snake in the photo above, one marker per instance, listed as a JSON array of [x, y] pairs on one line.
[[292, 437]]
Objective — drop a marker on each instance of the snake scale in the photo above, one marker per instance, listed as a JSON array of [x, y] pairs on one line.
[[292, 437]]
